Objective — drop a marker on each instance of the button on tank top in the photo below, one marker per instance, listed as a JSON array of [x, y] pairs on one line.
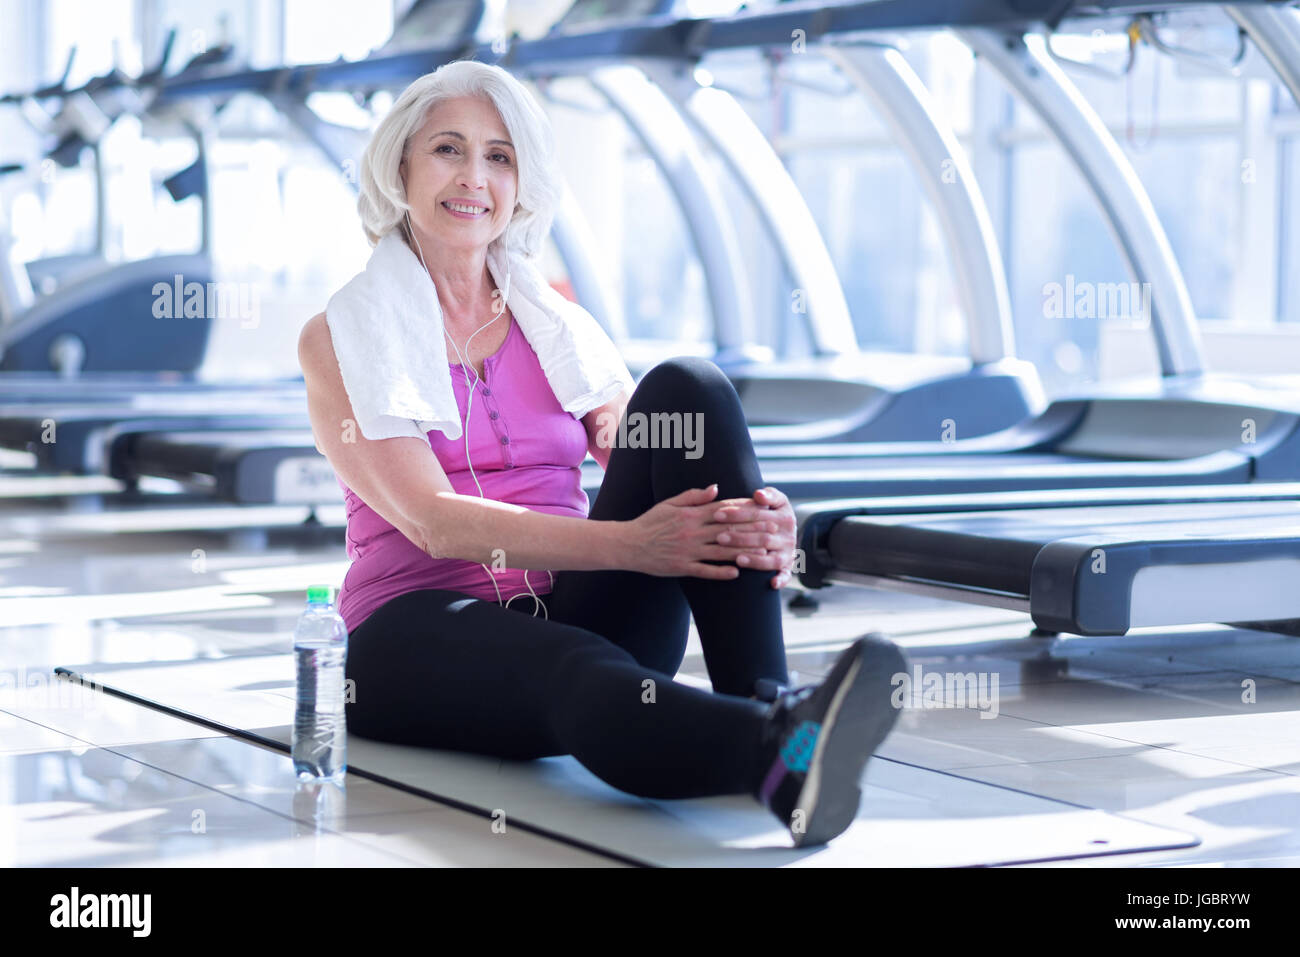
[[525, 449]]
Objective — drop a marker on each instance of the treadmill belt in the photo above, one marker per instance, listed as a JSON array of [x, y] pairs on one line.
[[903, 551], [876, 476], [1092, 570], [204, 452], [84, 431], [249, 467], [997, 550]]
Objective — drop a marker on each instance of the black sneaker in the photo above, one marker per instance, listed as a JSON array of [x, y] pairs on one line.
[[818, 739]]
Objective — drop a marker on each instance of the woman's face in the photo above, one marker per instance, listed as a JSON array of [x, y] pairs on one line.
[[461, 156]]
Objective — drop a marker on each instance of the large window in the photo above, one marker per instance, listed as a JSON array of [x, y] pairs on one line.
[[879, 227], [776, 323], [1204, 145], [1058, 243], [316, 31], [1181, 127], [62, 221], [1219, 156], [645, 251], [664, 296], [97, 29]]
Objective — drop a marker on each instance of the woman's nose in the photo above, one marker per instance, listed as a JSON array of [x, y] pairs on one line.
[[473, 174]]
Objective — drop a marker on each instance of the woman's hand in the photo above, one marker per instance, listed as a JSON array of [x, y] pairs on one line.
[[768, 508], [679, 535]]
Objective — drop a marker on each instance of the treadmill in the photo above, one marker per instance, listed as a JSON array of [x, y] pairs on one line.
[[1077, 558], [1086, 563], [1098, 561], [73, 438], [194, 452], [1190, 429], [197, 456], [92, 409], [838, 393], [1121, 442], [95, 315]]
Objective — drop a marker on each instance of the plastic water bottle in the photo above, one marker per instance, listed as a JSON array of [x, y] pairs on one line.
[[320, 647]]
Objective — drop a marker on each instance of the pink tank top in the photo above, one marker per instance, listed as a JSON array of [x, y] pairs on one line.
[[526, 451]]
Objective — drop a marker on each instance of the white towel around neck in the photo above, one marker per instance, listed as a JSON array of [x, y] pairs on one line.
[[386, 325]]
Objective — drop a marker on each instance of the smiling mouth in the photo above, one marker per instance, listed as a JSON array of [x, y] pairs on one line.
[[466, 210]]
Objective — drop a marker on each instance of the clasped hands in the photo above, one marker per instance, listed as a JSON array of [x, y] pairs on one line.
[[764, 523], [691, 534]]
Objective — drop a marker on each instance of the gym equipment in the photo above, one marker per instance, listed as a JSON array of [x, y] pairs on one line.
[[106, 319], [1081, 563], [1092, 441], [92, 409], [1189, 429], [839, 392]]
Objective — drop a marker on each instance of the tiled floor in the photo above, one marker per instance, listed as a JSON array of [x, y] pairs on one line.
[[1196, 730]]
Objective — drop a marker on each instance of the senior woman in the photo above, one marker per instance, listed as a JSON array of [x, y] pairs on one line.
[[440, 652]]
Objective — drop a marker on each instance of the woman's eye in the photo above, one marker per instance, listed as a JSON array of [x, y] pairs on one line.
[[444, 146], [503, 156]]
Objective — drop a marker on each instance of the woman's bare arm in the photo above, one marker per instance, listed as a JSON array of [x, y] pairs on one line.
[[403, 481], [601, 425]]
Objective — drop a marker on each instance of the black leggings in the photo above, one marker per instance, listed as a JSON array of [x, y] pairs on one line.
[[438, 668]]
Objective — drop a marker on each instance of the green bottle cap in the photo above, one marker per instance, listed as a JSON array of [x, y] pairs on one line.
[[320, 595]]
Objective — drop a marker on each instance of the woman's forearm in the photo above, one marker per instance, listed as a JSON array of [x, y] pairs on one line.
[[511, 536]]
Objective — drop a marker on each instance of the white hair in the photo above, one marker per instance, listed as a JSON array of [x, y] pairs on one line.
[[382, 202]]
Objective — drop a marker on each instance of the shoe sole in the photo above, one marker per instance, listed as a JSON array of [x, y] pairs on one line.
[[857, 721]]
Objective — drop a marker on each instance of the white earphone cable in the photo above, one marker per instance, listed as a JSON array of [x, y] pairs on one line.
[[469, 409]]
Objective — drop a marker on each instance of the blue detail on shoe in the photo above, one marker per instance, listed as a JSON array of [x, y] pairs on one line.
[[798, 749]]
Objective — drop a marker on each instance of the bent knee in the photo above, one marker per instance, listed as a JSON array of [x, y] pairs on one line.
[[683, 380]]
